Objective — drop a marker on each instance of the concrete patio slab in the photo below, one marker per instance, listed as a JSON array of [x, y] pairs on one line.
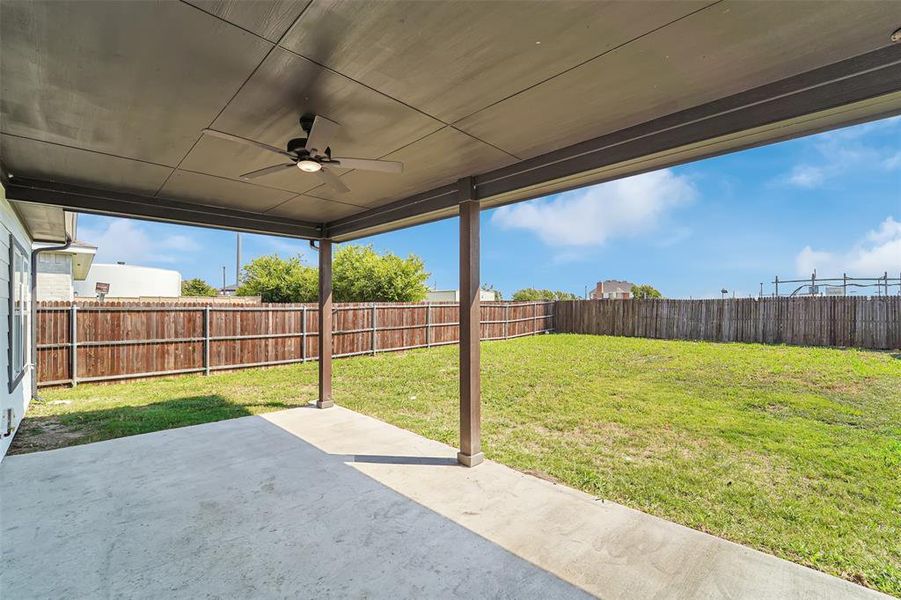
[[312, 503]]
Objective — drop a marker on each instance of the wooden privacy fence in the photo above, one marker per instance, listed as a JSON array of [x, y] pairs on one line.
[[94, 341], [862, 322]]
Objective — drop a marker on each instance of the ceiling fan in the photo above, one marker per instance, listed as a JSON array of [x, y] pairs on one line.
[[312, 154]]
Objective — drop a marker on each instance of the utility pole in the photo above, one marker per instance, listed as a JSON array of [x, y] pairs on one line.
[[223, 279], [237, 259]]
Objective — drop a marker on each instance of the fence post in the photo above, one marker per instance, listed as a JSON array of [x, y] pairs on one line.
[[553, 316], [374, 327], [506, 321], [206, 340], [535, 319], [303, 334], [428, 325], [73, 343]]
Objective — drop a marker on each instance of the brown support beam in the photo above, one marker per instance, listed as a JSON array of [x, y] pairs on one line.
[[325, 325], [470, 382], [153, 208]]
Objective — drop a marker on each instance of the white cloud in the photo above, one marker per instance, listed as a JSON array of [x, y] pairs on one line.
[[127, 241], [889, 230], [591, 216], [879, 251], [286, 247], [806, 176], [893, 162], [845, 150], [809, 260]]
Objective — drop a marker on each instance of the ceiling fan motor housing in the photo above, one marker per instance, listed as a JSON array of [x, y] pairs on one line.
[[296, 146], [306, 122]]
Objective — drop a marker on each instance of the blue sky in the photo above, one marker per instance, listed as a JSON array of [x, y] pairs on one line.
[[830, 202]]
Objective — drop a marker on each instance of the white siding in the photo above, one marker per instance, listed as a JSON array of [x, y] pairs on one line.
[[19, 398]]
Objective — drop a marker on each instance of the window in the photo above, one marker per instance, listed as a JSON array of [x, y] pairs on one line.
[[19, 312]]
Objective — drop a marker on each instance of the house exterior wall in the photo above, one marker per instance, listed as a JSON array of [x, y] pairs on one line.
[[54, 279], [612, 289], [454, 296], [130, 281], [442, 296], [611, 295], [18, 398]]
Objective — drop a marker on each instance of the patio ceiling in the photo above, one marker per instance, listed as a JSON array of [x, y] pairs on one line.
[[103, 103]]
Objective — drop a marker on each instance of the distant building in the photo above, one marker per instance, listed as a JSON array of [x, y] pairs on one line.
[[130, 282], [58, 270], [612, 289], [454, 296]]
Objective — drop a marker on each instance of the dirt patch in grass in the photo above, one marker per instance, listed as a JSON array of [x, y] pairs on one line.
[[47, 433], [542, 475]]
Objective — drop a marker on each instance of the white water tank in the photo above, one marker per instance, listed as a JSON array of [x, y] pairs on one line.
[[130, 281]]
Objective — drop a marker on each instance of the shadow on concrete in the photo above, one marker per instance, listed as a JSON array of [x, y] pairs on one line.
[[239, 509], [404, 460]]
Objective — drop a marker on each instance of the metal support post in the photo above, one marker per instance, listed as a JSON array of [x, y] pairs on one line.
[[73, 343], [206, 340]]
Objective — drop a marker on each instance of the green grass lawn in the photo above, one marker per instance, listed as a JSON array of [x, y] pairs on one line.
[[795, 451]]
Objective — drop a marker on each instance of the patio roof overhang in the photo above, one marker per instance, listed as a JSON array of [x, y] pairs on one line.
[[486, 103], [103, 103]]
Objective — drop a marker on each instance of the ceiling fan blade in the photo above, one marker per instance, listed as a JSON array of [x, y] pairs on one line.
[[266, 171], [240, 140], [366, 164], [321, 134], [332, 180]]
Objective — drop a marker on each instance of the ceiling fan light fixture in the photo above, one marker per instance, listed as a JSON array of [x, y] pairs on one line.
[[304, 153], [308, 166]]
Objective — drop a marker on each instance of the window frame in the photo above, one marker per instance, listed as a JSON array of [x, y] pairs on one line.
[[15, 376]]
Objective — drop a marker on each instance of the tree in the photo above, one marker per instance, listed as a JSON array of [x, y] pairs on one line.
[[535, 295], [363, 275], [278, 280], [197, 287], [642, 292], [359, 274]]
